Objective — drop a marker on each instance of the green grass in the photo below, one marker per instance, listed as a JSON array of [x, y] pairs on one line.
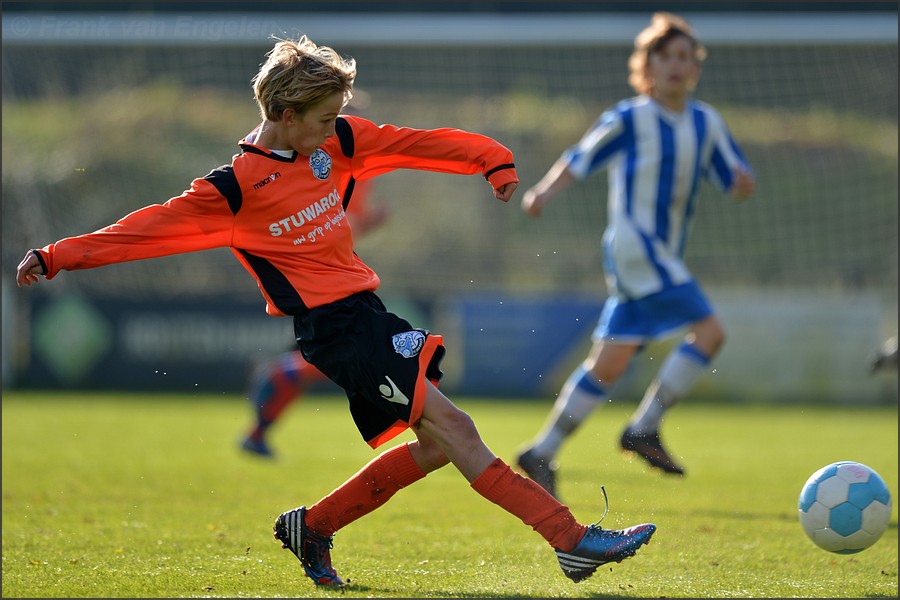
[[148, 496]]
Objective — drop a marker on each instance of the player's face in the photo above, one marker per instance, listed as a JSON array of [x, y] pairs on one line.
[[673, 68], [311, 129]]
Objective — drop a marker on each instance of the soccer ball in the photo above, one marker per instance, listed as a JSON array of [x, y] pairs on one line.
[[844, 507]]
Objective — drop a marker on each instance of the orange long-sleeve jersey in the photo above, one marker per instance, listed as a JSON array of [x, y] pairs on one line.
[[283, 217]]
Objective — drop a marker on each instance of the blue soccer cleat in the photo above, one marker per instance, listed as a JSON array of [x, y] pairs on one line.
[[600, 546], [313, 550], [257, 446]]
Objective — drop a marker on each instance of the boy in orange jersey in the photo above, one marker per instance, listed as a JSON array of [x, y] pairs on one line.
[[280, 207], [279, 382]]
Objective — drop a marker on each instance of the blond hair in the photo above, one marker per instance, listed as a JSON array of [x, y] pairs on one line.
[[298, 74], [663, 28]]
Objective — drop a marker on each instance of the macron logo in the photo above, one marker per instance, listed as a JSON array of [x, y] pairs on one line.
[[261, 184], [392, 393]]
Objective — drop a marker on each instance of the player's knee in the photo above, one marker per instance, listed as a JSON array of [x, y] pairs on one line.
[[708, 337], [458, 430], [428, 456], [717, 337], [607, 372], [462, 425], [446, 423]]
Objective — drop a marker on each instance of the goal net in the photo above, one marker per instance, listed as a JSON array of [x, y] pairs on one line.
[[104, 115]]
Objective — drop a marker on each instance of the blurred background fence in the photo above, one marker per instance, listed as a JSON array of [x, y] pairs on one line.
[[105, 112]]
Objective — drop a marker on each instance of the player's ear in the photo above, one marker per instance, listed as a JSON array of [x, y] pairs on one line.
[[695, 75], [287, 116]]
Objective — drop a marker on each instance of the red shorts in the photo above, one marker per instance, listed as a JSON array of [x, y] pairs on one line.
[[380, 360]]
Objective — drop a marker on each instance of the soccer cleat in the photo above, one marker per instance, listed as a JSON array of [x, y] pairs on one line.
[[885, 357], [600, 546], [257, 446], [650, 447], [313, 550], [540, 470]]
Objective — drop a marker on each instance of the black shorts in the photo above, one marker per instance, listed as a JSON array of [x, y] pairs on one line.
[[380, 360]]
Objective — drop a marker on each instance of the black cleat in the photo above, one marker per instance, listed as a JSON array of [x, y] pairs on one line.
[[313, 550], [649, 447], [540, 470]]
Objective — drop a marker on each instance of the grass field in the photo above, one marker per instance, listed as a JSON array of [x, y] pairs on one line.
[[144, 496]]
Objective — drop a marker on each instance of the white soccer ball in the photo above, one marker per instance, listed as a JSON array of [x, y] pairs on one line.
[[845, 507]]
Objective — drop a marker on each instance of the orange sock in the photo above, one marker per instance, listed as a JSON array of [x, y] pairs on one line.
[[531, 503], [371, 487]]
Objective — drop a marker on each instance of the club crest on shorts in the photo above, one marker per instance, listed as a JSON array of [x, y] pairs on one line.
[[408, 343], [320, 163]]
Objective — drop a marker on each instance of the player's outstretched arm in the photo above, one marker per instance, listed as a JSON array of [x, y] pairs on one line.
[[554, 181], [29, 269]]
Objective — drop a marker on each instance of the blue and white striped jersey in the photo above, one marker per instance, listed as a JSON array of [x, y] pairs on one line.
[[656, 159]]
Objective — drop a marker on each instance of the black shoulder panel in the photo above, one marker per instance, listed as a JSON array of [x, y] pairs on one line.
[[345, 135], [226, 182]]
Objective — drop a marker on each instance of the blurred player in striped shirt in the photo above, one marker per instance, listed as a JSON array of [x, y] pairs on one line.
[[657, 147]]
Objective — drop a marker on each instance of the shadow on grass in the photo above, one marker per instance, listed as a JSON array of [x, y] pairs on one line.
[[365, 591], [355, 590]]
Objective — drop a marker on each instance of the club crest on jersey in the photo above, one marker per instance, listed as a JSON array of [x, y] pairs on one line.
[[408, 343], [320, 163]]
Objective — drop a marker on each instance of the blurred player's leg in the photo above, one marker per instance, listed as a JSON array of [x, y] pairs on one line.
[[579, 396], [681, 369], [271, 391], [586, 388]]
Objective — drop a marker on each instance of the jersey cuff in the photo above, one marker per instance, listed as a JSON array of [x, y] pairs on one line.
[[41, 260], [501, 175]]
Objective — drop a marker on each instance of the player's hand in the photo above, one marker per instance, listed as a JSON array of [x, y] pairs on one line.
[[533, 202], [505, 191], [29, 270], [744, 185]]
